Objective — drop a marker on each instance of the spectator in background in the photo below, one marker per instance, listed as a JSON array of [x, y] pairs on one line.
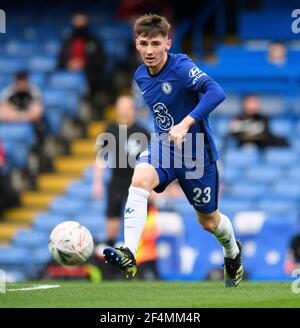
[[121, 177], [21, 102], [252, 127], [277, 54], [82, 50]]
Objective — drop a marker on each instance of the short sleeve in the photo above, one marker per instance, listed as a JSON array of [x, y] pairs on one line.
[[190, 74]]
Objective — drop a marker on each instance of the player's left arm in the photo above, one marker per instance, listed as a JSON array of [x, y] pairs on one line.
[[196, 80]]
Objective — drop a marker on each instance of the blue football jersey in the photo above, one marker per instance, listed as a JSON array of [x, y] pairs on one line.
[[172, 94]]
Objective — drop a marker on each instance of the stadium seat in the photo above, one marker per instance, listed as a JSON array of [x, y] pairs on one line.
[[282, 126], [276, 204], [42, 64], [281, 157], [45, 222], [251, 191], [25, 238], [73, 81], [66, 206], [80, 190], [263, 174], [168, 261], [272, 245], [242, 157], [18, 132], [11, 65], [14, 258]]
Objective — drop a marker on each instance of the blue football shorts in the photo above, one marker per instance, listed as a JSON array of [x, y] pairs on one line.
[[201, 192]]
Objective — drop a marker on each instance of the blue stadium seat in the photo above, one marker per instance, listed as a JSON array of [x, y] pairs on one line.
[[281, 157], [16, 154], [30, 239], [74, 81], [263, 173], [168, 261], [21, 48], [282, 126], [277, 204], [18, 132], [242, 157], [244, 190], [286, 189], [97, 206], [54, 118], [80, 190], [272, 245], [95, 223], [45, 222], [233, 204], [38, 79], [42, 64], [229, 174], [11, 65], [294, 173], [61, 98], [14, 258], [67, 206]]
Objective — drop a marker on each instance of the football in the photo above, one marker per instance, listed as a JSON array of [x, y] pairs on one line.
[[70, 243]]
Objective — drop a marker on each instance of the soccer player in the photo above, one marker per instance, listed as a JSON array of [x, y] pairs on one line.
[[180, 97]]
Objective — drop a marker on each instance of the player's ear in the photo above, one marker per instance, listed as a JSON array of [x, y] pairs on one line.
[[136, 44], [169, 44]]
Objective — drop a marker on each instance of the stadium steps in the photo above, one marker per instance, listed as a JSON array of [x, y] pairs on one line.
[[36, 199], [95, 128], [73, 165], [48, 185], [83, 147], [8, 229], [53, 182], [20, 215]]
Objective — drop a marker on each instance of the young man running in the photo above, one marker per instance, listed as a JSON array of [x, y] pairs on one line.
[[181, 97]]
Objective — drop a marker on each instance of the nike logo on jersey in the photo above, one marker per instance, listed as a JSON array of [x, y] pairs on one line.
[[142, 92]]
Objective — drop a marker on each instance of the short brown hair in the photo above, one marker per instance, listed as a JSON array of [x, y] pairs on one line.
[[151, 25]]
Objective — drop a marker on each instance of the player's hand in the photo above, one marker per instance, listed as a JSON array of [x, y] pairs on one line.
[[177, 134]]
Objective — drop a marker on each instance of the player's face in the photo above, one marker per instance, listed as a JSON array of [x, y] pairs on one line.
[[153, 51]]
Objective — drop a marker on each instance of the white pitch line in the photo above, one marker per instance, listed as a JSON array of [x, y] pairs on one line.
[[33, 288]]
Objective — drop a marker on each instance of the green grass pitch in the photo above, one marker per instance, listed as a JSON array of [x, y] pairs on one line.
[[134, 294]]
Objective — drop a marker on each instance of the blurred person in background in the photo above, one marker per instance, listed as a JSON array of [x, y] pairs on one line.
[[277, 54], [117, 190], [252, 127], [22, 102], [83, 51]]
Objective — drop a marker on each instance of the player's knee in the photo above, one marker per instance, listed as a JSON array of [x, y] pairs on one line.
[[140, 181], [208, 221], [145, 177]]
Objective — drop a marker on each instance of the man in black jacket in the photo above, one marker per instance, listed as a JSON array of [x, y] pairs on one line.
[[82, 50]]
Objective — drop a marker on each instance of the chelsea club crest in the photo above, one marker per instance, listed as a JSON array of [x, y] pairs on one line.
[[166, 88]]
